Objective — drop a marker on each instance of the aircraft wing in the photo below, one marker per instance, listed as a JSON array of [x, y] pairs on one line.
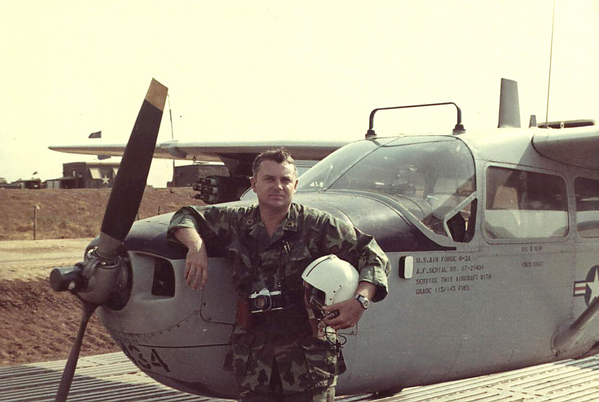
[[236, 155], [571, 146]]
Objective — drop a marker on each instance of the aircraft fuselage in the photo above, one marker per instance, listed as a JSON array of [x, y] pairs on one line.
[[493, 249]]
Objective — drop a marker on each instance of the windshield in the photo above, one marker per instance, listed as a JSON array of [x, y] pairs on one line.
[[328, 170], [430, 176]]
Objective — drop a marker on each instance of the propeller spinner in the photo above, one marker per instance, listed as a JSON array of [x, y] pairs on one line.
[[98, 279]]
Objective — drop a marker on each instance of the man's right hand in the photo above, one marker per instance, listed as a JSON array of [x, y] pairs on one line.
[[196, 267], [196, 261]]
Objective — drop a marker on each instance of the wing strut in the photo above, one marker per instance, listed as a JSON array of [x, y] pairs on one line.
[[581, 334]]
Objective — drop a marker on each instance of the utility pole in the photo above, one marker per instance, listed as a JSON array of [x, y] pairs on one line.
[[35, 208]]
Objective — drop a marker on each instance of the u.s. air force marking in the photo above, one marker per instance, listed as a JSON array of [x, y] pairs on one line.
[[589, 288]]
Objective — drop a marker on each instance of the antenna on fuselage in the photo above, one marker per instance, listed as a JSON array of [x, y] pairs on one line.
[[550, 62], [509, 105], [533, 121]]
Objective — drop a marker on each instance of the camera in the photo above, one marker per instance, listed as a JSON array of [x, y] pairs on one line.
[[266, 300]]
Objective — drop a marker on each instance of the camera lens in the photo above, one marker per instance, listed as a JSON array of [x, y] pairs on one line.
[[261, 302]]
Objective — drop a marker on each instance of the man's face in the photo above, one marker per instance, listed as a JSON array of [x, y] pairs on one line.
[[275, 185]]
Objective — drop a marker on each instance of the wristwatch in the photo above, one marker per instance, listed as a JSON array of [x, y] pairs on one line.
[[363, 301]]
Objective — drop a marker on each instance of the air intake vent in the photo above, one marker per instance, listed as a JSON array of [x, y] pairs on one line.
[[164, 279], [567, 124]]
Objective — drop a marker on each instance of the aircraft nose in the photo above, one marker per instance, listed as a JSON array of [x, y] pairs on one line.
[[377, 217]]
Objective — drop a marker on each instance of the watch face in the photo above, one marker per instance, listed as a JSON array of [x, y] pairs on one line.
[[363, 301]]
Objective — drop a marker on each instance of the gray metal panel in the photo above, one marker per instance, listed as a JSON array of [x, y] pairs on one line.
[[574, 146], [112, 377]]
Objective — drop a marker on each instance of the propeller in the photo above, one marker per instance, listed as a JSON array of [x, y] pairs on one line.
[[94, 281]]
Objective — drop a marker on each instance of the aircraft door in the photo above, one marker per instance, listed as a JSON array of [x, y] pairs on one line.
[[521, 290]]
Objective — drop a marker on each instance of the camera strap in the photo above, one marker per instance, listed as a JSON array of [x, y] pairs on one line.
[[243, 316]]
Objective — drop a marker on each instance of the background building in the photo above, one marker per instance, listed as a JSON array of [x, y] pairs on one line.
[[85, 175]]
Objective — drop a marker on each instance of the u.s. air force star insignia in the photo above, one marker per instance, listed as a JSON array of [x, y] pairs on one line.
[[589, 288]]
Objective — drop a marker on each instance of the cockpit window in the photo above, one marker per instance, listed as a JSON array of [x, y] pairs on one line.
[[432, 177]]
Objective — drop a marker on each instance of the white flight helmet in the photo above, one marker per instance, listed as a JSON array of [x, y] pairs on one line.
[[333, 280]]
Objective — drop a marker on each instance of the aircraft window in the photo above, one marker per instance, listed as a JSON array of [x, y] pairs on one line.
[[325, 172], [431, 177], [95, 173], [522, 204], [587, 206]]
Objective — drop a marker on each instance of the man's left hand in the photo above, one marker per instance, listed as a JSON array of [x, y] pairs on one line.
[[350, 312]]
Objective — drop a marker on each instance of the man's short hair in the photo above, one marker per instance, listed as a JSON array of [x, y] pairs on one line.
[[280, 155]]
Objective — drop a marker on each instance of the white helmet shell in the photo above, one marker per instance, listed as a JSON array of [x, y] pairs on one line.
[[338, 279]]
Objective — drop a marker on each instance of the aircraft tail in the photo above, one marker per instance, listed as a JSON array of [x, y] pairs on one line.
[[509, 105]]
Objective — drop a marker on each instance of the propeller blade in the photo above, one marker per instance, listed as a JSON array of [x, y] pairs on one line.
[[130, 182], [69, 369], [122, 207]]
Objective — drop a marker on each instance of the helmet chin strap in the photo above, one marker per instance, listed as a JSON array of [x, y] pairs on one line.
[[328, 280], [316, 315]]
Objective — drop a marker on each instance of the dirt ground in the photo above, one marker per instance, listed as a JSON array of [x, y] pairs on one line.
[[74, 213], [36, 323]]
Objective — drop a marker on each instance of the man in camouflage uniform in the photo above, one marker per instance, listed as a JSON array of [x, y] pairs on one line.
[[286, 354]]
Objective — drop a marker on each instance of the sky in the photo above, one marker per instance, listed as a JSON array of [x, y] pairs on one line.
[[279, 69]]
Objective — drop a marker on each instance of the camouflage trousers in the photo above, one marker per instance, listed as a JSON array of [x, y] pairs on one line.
[[265, 364], [276, 394]]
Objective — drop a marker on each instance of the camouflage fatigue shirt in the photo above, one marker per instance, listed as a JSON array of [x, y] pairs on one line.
[[304, 361]]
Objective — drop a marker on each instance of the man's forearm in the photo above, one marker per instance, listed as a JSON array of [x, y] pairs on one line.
[[366, 289], [196, 260], [189, 237]]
